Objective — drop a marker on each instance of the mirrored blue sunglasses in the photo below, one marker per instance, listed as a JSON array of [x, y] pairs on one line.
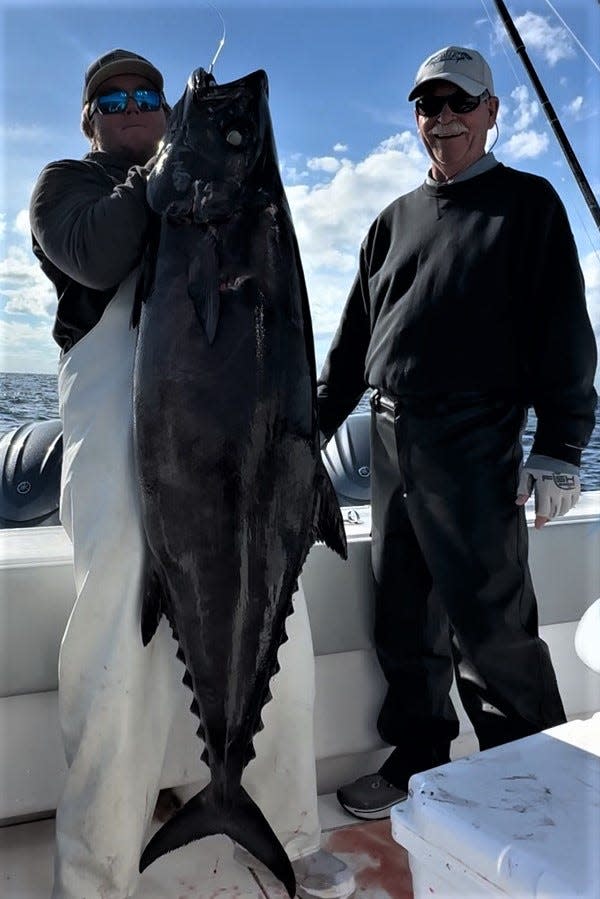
[[146, 98]]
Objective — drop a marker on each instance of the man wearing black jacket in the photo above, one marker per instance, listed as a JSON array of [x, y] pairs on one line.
[[117, 699], [468, 307]]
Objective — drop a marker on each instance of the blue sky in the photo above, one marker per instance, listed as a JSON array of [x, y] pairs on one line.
[[339, 77]]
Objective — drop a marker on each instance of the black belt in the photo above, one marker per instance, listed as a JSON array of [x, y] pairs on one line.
[[438, 403]]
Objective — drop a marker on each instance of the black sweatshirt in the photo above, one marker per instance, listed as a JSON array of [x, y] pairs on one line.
[[471, 287], [89, 221]]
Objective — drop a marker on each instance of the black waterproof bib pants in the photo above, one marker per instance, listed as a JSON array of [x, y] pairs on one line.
[[452, 583]]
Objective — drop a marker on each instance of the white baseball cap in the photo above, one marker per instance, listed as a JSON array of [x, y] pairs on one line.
[[461, 66]]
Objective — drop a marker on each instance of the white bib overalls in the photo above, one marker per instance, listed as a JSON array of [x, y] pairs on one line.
[[117, 698]]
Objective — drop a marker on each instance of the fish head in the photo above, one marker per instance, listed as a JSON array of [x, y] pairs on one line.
[[218, 150]]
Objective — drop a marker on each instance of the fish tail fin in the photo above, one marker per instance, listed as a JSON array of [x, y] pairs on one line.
[[329, 521], [238, 817]]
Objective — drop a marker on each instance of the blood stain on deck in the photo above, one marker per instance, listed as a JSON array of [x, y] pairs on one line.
[[379, 864]]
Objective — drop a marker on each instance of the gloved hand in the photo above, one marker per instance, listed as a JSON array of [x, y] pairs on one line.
[[556, 486]]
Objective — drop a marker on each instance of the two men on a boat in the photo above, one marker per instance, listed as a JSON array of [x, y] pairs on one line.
[[468, 308]]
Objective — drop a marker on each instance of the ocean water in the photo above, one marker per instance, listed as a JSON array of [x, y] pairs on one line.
[[28, 397]]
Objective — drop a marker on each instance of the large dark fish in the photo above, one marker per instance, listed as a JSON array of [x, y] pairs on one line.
[[234, 492]]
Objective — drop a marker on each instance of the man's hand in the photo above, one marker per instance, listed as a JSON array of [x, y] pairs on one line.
[[147, 168], [556, 486]]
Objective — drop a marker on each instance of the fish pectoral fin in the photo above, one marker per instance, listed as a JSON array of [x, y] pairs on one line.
[[329, 523], [153, 603], [237, 816], [203, 285]]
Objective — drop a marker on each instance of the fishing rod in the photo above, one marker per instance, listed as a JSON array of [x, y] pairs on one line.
[[562, 138]]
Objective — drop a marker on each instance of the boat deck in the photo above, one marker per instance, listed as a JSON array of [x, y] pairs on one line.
[[207, 869]]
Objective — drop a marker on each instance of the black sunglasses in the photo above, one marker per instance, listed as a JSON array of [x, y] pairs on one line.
[[146, 98], [458, 102]]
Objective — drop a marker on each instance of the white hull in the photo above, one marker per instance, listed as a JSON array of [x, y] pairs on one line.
[[36, 595]]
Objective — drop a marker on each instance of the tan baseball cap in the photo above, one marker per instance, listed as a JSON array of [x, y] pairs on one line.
[[461, 66], [118, 62]]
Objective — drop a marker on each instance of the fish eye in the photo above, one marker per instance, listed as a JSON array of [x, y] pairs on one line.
[[234, 137]]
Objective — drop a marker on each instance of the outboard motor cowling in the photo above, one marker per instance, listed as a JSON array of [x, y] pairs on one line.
[[30, 462], [347, 458]]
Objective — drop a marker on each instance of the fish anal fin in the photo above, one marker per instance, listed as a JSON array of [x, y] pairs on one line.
[[329, 524], [154, 603]]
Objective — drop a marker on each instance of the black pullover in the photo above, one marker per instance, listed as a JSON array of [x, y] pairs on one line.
[[90, 224], [471, 287]]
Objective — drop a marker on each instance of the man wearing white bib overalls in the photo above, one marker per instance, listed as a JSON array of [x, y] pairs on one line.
[[90, 224]]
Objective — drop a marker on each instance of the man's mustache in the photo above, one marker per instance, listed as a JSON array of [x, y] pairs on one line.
[[449, 130]]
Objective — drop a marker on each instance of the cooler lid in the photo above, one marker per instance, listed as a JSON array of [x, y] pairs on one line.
[[524, 816]]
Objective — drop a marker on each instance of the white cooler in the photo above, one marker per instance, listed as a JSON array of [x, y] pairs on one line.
[[520, 820]]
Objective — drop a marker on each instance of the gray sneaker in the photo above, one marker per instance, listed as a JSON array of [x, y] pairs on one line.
[[322, 875], [370, 797], [319, 875]]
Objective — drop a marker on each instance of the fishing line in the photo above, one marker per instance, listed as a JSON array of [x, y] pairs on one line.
[[518, 79], [221, 42], [495, 141], [574, 36], [582, 222], [592, 203], [595, 250]]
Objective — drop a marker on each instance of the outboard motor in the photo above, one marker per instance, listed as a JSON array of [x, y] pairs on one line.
[[347, 458], [30, 462]]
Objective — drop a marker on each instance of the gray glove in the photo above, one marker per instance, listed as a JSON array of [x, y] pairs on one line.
[[556, 486]]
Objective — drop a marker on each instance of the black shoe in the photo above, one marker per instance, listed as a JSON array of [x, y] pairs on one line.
[[370, 797]]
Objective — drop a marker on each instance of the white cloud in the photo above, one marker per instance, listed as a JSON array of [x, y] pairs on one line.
[[21, 225], [2, 223], [27, 347], [590, 265], [340, 148], [327, 164], [331, 218], [526, 145], [27, 304], [22, 133], [553, 42], [291, 174], [24, 287], [526, 110], [575, 106]]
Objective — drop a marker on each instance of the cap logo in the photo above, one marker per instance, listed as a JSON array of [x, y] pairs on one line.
[[450, 56]]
